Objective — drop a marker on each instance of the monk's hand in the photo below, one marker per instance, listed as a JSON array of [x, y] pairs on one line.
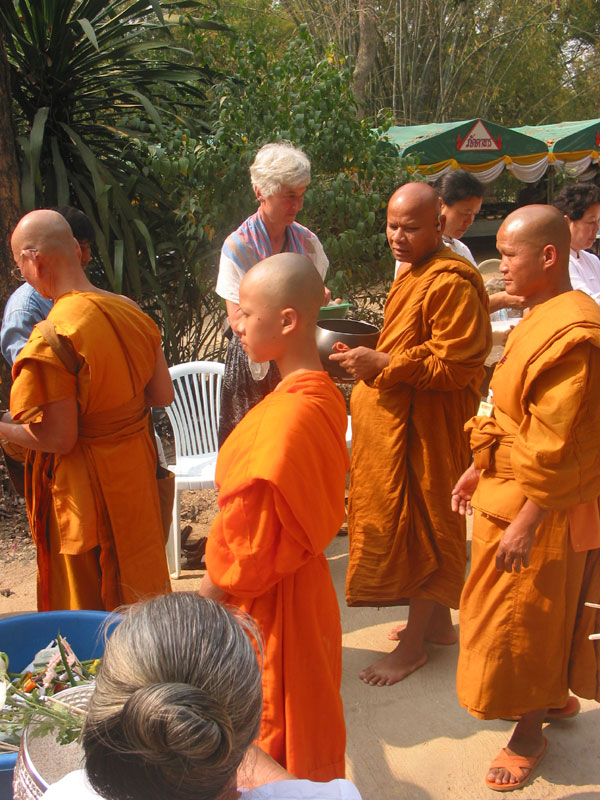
[[464, 490], [361, 362], [517, 540], [515, 547]]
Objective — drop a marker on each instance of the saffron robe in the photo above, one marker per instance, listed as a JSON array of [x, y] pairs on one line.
[[408, 445], [523, 637], [94, 512], [282, 476]]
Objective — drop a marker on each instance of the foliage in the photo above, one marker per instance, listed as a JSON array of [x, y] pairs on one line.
[[83, 73], [308, 101], [439, 60], [27, 699]]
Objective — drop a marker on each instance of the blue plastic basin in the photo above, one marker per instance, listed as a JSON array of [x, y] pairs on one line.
[[22, 636]]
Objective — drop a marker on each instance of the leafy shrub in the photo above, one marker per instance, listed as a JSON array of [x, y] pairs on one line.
[[309, 102]]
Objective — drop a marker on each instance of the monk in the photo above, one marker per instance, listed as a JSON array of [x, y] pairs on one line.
[[90, 470], [414, 395], [281, 476], [534, 485]]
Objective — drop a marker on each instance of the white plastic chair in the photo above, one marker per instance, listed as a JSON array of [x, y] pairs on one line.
[[194, 417], [349, 435]]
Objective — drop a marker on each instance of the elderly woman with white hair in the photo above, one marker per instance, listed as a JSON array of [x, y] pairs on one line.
[[176, 708], [280, 174]]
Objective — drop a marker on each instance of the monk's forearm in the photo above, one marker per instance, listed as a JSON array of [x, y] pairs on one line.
[[530, 515], [501, 300], [31, 437], [56, 433], [419, 368]]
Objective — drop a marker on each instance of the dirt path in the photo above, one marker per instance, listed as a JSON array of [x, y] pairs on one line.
[[17, 553], [411, 741]]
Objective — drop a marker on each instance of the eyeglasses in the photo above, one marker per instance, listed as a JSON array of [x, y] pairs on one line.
[[17, 271]]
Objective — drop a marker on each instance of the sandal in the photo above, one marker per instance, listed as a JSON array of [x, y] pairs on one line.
[[516, 765]]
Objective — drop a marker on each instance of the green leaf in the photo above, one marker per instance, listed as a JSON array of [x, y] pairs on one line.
[[60, 172], [118, 261], [149, 244], [33, 154], [89, 32]]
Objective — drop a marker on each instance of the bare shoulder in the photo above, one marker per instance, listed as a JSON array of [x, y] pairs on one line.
[[124, 297]]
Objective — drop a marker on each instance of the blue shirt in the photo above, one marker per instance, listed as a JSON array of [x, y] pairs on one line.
[[23, 309]]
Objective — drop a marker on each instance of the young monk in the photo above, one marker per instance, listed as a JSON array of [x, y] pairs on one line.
[[281, 476]]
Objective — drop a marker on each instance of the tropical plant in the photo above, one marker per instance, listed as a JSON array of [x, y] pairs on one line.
[[84, 73], [308, 101]]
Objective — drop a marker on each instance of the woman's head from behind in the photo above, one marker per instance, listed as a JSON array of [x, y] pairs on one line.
[[177, 702]]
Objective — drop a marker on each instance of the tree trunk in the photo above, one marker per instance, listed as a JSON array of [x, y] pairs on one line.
[[367, 50], [10, 198]]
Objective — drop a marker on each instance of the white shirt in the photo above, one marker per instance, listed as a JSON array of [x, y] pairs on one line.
[[460, 248], [75, 786], [454, 244], [584, 271]]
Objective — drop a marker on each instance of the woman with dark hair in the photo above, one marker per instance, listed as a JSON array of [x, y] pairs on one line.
[[461, 195], [580, 203], [176, 708]]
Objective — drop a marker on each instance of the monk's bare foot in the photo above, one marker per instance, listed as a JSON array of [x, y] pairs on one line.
[[393, 667], [438, 637]]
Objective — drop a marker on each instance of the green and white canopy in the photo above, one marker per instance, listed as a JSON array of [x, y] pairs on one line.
[[476, 145], [573, 146]]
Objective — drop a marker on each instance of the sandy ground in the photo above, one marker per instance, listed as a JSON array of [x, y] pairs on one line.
[[411, 741]]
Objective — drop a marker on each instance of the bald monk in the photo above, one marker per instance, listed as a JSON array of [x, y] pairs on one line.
[[281, 476], [534, 486], [413, 397], [90, 470]]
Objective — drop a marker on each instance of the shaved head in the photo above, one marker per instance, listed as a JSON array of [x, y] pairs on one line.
[[421, 197], [287, 280], [534, 244], [540, 225], [48, 232], [47, 254], [414, 226], [280, 299]]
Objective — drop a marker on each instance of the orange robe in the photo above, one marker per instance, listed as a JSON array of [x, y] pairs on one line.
[[408, 445], [281, 476], [523, 637], [94, 513]]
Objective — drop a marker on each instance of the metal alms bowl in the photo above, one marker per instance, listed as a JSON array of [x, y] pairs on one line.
[[352, 332]]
